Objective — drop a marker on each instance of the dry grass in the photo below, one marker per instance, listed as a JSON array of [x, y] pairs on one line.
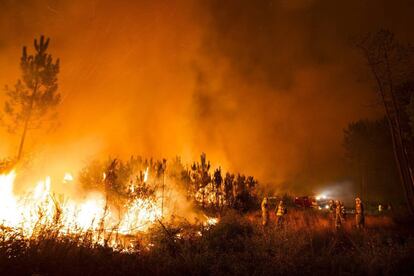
[[238, 245]]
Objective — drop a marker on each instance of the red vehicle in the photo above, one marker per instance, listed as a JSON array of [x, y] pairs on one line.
[[305, 201]]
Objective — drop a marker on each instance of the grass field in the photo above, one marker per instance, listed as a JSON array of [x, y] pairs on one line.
[[237, 245]]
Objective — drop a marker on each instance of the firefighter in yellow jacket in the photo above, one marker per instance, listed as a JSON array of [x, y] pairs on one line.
[[280, 213], [338, 214], [359, 213], [265, 211]]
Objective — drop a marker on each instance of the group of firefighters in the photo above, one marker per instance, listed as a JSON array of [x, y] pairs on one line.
[[336, 209], [280, 211]]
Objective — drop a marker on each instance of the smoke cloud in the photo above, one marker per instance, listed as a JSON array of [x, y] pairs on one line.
[[263, 87]]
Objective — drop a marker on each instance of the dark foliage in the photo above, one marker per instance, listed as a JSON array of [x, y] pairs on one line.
[[237, 245], [370, 159], [205, 187]]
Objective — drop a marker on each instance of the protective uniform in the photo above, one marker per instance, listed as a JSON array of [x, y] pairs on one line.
[[332, 206], [332, 210], [359, 213], [265, 212], [280, 212], [343, 213], [338, 214]]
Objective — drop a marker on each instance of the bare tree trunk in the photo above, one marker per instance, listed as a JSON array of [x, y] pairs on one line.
[[392, 112], [26, 123], [406, 166], [406, 180], [22, 139], [162, 200]]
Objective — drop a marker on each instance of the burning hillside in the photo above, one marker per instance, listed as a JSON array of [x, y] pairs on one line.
[[122, 199], [42, 208]]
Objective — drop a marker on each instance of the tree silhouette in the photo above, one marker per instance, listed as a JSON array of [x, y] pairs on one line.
[[369, 156], [29, 103], [228, 188], [218, 180], [391, 66]]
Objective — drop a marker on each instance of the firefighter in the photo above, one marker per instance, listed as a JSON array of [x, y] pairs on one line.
[[265, 212], [359, 213], [331, 206], [332, 210], [343, 212], [338, 214], [281, 211]]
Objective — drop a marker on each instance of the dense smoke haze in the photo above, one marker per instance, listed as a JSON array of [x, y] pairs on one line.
[[263, 87]]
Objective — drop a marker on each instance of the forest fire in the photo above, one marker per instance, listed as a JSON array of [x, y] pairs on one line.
[[42, 208], [116, 200], [108, 110], [110, 217]]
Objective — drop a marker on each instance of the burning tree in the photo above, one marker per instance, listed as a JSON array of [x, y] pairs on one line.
[[212, 190], [228, 188], [32, 98], [140, 178], [218, 180], [201, 176]]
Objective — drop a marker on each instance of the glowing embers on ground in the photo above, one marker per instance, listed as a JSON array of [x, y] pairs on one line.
[[211, 221], [140, 214], [41, 208]]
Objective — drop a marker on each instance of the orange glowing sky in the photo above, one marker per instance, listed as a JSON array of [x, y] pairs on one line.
[[263, 87]]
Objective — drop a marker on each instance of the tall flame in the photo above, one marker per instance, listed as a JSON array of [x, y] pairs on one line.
[[40, 207], [8, 204], [146, 174]]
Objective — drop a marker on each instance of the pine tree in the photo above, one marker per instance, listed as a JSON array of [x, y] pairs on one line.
[[35, 95]]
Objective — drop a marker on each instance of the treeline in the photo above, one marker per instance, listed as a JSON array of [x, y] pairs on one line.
[[140, 177], [391, 64], [370, 161]]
